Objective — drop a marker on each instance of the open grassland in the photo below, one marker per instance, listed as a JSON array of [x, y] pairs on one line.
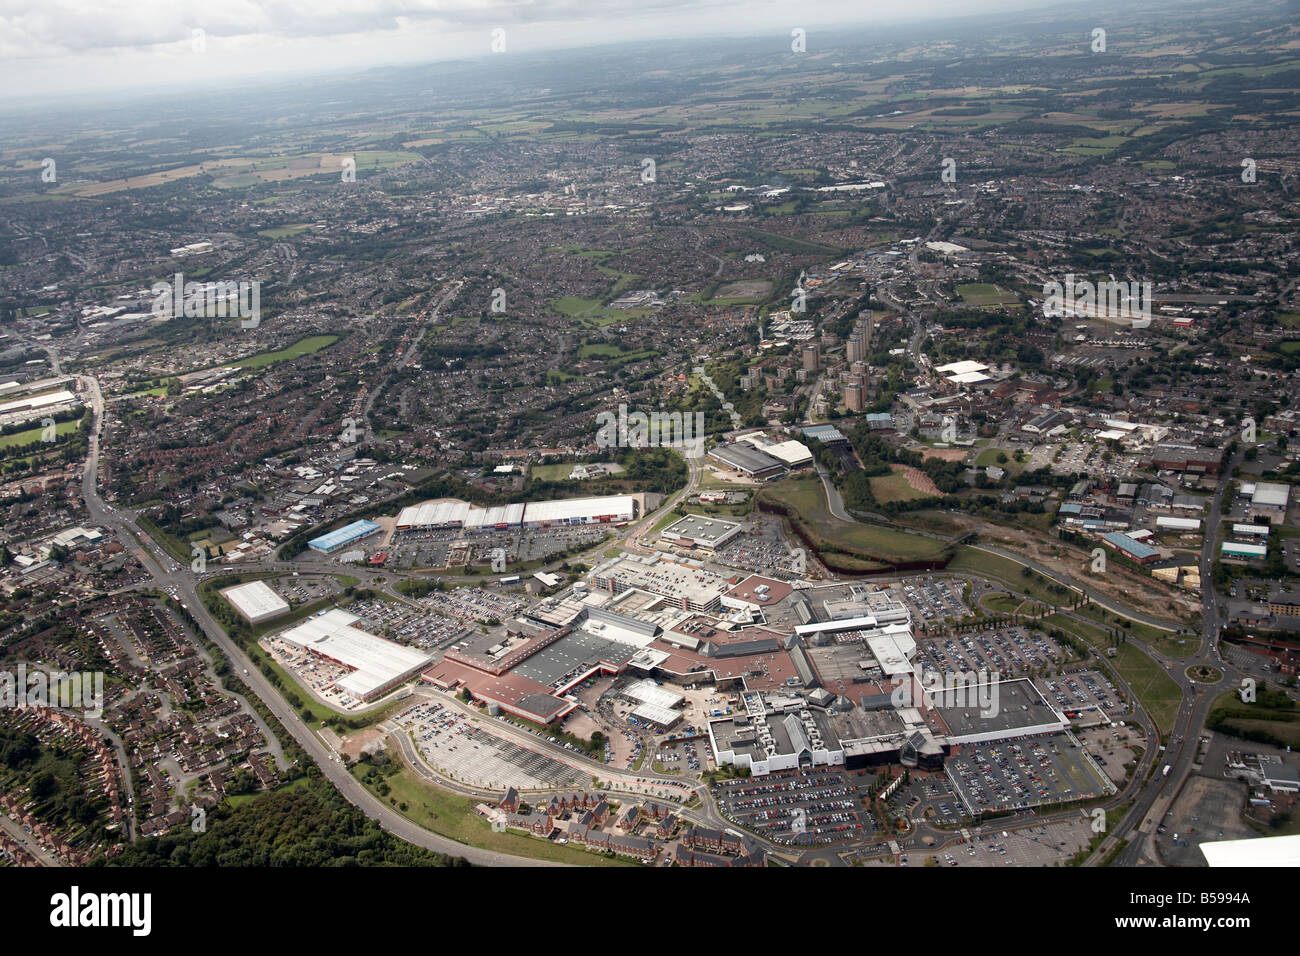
[[235, 172], [1166, 642], [984, 295], [1012, 573], [1156, 690], [898, 486], [1267, 720], [307, 346], [806, 499], [29, 435]]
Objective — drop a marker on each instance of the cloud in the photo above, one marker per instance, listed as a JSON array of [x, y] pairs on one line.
[[76, 47], [60, 27]]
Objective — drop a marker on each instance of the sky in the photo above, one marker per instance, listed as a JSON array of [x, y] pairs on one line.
[[73, 46]]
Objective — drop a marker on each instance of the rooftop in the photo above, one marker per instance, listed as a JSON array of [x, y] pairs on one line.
[[374, 661]]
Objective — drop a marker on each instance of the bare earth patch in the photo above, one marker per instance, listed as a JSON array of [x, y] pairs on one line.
[[918, 479], [947, 454], [355, 743]]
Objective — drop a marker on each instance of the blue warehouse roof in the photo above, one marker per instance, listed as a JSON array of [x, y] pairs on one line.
[[343, 535], [1119, 539]]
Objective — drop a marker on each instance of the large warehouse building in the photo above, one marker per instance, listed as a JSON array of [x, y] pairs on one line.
[[1192, 458], [1238, 549], [340, 538], [447, 513], [256, 602], [1131, 548], [377, 665], [793, 453], [748, 460], [1270, 501], [451, 513], [613, 509], [1166, 523]]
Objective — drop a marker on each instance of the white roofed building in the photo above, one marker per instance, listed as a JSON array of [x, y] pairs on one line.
[[1270, 501], [452, 513], [377, 665], [256, 601]]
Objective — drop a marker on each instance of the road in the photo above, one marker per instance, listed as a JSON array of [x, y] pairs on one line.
[[1160, 791], [28, 842], [405, 354], [1150, 791], [1150, 802], [167, 574], [834, 500]]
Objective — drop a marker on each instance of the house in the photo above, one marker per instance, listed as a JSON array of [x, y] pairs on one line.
[[629, 818], [716, 841]]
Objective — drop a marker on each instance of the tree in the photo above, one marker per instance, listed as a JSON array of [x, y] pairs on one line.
[[44, 786]]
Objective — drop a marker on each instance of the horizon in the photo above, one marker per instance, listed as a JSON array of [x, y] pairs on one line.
[[54, 58]]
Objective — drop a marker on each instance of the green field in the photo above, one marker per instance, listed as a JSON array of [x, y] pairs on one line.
[[551, 472], [995, 566], [1288, 733], [935, 522], [989, 457], [1156, 690], [806, 498], [612, 355], [788, 244], [591, 311], [895, 487], [236, 799], [1095, 146], [984, 295], [1166, 642], [599, 350], [1086, 632], [1004, 604], [313, 343], [29, 435]]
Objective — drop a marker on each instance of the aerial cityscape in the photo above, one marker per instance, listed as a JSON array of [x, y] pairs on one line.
[[848, 443]]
